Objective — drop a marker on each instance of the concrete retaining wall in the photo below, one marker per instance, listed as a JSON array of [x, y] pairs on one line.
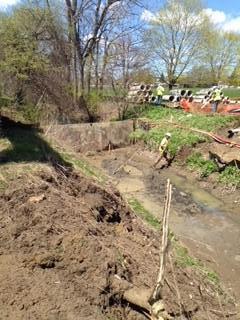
[[93, 137]]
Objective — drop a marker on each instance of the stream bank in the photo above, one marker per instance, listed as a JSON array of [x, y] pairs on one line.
[[206, 224]]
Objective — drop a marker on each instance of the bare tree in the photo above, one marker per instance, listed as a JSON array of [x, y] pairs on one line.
[[87, 22], [175, 37], [127, 55]]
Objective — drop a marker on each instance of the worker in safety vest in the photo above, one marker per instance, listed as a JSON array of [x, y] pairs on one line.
[[160, 91], [163, 148], [216, 99]]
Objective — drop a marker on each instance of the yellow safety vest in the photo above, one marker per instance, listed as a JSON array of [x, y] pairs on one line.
[[216, 95], [160, 91], [163, 145]]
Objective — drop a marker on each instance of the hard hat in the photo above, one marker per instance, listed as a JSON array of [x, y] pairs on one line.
[[168, 134]]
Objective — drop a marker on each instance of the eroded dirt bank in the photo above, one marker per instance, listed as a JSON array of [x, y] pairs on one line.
[[207, 224], [63, 243]]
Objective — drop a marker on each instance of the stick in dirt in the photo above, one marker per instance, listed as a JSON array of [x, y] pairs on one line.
[[157, 294]]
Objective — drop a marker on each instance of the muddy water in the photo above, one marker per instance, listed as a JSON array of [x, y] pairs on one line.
[[202, 221], [215, 231]]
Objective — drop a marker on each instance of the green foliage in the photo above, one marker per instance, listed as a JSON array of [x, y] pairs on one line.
[[230, 176], [234, 78], [197, 121], [163, 117], [196, 162], [183, 259], [21, 54], [93, 99], [139, 209], [179, 138], [219, 52], [198, 76]]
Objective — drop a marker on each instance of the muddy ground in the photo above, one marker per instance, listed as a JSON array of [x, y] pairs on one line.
[[204, 216], [65, 240]]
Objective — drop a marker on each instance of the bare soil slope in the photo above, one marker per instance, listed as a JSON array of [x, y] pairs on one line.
[[64, 241]]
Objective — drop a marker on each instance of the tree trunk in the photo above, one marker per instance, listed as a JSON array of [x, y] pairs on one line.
[[97, 66], [82, 77], [105, 60], [75, 77], [89, 75]]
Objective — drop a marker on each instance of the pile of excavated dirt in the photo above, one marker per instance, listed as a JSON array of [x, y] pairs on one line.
[[64, 244]]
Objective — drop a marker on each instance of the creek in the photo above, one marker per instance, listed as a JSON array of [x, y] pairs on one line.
[[202, 221]]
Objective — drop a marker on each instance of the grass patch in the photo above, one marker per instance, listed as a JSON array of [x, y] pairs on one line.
[[22, 146], [143, 213], [179, 139], [184, 260], [205, 167], [198, 121], [232, 92], [230, 177], [84, 167], [161, 117]]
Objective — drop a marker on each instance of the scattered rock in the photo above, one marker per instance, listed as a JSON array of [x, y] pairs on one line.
[[37, 199]]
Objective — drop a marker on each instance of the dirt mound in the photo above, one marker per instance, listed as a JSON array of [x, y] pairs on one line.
[[69, 248]]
